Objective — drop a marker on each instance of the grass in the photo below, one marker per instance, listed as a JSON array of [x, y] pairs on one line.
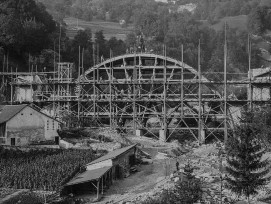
[[110, 29], [239, 22]]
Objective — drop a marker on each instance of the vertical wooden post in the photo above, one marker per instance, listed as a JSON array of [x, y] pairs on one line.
[[79, 86], [134, 81], [59, 43], [54, 85], [102, 184], [225, 88], [182, 88], [165, 96], [201, 135], [94, 93], [110, 91], [250, 74], [98, 188]]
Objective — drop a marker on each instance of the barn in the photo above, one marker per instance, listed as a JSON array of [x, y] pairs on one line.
[[102, 172], [22, 125]]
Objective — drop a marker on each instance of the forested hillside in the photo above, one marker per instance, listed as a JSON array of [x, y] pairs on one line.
[[29, 34]]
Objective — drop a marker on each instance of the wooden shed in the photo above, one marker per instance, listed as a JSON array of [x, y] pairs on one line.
[[101, 173]]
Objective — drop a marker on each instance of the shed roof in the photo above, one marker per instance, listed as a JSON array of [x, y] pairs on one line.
[[113, 154], [88, 175], [9, 111]]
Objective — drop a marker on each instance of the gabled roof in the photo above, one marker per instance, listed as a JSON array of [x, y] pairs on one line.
[[112, 155], [9, 111], [88, 175]]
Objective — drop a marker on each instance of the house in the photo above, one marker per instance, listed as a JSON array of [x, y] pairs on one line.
[[260, 88], [24, 90], [101, 172], [23, 124]]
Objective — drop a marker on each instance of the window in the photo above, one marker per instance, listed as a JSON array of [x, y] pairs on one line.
[[2, 140], [47, 124], [12, 141], [22, 114], [2, 129], [53, 125]]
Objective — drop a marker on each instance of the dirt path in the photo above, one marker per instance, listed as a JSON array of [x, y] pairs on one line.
[[12, 195], [150, 176]]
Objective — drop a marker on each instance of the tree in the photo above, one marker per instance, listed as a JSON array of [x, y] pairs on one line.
[[246, 170], [259, 19], [25, 27], [101, 44], [117, 46]]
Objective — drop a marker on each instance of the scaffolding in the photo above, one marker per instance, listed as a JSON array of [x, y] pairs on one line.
[[146, 93]]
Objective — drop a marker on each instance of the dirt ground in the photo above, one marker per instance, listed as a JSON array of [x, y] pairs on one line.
[[154, 177], [149, 179]]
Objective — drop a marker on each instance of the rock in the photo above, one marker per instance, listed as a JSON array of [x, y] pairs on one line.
[[146, 161], [241, 202]]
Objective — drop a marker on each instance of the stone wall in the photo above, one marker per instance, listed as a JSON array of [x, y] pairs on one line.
[[123, 162]]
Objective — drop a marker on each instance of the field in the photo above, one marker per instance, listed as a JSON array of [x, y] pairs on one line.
[[45, 169], [110, 29], [239, 22]]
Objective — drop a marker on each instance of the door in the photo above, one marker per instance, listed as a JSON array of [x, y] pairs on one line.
[[132, 160], [12, 141], [57, 140]]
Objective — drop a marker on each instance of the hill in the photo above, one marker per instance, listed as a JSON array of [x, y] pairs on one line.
[[110, 29], [239, 22]]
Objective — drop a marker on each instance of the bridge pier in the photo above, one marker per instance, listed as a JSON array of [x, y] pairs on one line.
[[163, 134], [139, 132], [202, 135]]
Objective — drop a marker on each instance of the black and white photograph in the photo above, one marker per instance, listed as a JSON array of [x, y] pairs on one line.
[[135, 101]]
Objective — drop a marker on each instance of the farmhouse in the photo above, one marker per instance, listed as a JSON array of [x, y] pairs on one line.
[[23, 124], [101, 173]]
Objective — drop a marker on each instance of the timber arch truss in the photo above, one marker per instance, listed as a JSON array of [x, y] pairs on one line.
[[152, 94], [145, 93]]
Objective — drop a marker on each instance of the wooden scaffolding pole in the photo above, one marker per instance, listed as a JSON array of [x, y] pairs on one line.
[[250, 74], [54, 85], [79, 89], [94, 77], [165, 97], [134, 94], [98, 188], [182, 88], [200, 134], [110, 91], [225, 88]]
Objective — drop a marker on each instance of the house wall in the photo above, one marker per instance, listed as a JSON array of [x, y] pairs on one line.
[[261, 93], [29, 126], [51, 127], [24, 93], [123, 162]]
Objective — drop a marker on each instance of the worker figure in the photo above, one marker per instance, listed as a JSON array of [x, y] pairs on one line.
[[122, 93], [177, 166]]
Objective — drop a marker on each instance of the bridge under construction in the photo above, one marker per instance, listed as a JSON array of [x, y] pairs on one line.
[[146, 93]]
